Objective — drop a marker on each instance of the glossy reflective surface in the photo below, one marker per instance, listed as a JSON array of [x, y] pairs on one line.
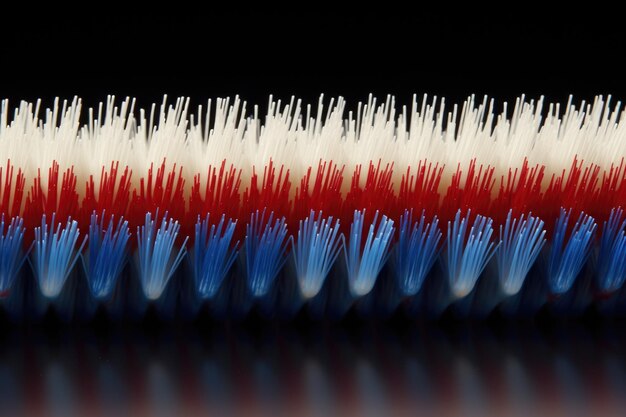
[[321, 370]]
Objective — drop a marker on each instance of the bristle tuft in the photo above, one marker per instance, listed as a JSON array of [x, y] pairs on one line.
[[55, 254], [611, 269], [522, 240], [12, 256], [265, 250], [315, 249], [106, 254], [416, 251], [366, 259], [468, 252], [213, 254], [568, 258], [157, 257]]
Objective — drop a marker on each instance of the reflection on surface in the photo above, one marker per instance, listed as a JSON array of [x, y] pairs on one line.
[[370, 371]]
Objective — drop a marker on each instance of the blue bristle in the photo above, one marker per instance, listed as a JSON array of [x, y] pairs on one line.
[[611, 266], [567, 262], [106, 254], [157, 258], [467, 259], [265, 248], [315, 250], [213, 254], [55, 254], [365, 265], [12, 256], [416, 251], [559, 283], [521, 242]]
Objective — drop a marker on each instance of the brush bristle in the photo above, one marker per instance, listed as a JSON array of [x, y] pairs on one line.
[[322, 204]]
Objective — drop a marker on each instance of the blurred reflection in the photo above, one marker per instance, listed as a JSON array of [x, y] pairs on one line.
[[320, 371]]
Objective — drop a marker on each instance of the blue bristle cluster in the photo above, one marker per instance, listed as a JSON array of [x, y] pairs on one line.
[[521, 242], [611, 269], [157, 257], [213, 254], [315, 250], [55, 253], [416, 251], [568, 258], [516, 272], [107, 254], [467, 255], [265, 247], [365, 262], [12, 256]]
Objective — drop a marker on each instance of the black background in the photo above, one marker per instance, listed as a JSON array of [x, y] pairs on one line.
[[447, 52], [182, 51]]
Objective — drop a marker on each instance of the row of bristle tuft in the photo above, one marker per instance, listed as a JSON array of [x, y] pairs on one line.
[[421, 211], [373, 267]]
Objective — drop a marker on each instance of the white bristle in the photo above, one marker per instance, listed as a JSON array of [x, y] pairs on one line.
[[296, 136]]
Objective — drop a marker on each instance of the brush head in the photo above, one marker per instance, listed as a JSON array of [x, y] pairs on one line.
[[323, 204]]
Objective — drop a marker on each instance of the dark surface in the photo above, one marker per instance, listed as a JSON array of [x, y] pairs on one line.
[[520, 369]]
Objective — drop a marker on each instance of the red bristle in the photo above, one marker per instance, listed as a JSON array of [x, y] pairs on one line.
[[168, 197], [273, 194], [7, 207], [64, 205], [573, 189], [420, 191], [68, 198], [579, 195], [474, 195], [377, 194], [111, 199], [580, 188], [520, 195], [559, 187], [221, 196], [611, 192], [551, 199], [325, 196]]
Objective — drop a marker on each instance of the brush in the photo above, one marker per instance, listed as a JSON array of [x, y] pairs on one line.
[[323, 212]]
